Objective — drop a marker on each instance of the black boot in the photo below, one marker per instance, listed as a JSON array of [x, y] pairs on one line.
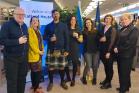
[[72, 83], [83, 80], [102, 82], [64, 86], [50, 86], [106, 86], [94, 81]]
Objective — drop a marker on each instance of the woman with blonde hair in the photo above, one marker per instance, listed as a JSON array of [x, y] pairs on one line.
[[125, 48], [35, 53]]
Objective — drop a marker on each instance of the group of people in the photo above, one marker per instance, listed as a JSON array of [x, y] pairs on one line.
[[23, 48]]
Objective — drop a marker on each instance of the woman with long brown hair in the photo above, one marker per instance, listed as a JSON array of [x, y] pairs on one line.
[[91, 50]]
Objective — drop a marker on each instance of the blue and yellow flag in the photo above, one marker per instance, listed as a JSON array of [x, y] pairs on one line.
[[79, 16], [97, 20]]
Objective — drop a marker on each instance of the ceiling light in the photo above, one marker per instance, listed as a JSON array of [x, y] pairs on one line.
[[98, 0], [92, 6]]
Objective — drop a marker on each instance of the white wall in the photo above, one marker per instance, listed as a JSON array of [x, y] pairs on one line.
[[6, 4]]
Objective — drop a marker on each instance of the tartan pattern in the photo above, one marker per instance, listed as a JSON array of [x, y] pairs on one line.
[[56, 62]]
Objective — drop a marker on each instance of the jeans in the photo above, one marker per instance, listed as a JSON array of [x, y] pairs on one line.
[[92, 61]]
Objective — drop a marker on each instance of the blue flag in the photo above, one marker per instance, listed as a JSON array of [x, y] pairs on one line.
[[79, 16], [97, 20]]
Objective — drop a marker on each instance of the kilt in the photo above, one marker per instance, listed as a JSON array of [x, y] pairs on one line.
[[56, 59]]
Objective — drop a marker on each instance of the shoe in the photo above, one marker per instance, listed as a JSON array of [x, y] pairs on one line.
[[50, 86], [94, 81], [67, 80], [39, 91], [72, 83], [133, 69], [83, 80], [64, 86], [106, 86], [121, 92], [102, 82], [118, 89]]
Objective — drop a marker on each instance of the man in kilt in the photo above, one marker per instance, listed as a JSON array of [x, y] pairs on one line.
[[56, 35]]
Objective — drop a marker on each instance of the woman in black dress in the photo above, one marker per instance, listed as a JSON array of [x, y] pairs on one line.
[[74, 40]]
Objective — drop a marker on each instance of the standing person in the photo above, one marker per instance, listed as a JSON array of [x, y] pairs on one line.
[[14, 37], [56, 34], [75, 38], [35, 53], [91, 50], [107, 41], [126, 47], [136, 57]]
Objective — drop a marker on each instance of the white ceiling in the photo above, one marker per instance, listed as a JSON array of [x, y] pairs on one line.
[[12, 2], [106, 7]]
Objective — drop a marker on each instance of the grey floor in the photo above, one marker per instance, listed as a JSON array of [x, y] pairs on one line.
[[80, 88]]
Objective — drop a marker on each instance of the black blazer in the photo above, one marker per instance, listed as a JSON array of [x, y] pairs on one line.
[[110, 35], [127, 39]]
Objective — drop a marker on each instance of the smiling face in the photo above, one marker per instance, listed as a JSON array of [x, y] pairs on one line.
[[35, 22], [73, 21], [19, 15], [125, 20], [88, 24], [56, 16], [108, 20]]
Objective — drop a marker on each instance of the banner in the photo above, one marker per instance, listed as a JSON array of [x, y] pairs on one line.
[[40, 9]]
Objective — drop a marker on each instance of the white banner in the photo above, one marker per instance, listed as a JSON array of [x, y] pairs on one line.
[[40, 9]]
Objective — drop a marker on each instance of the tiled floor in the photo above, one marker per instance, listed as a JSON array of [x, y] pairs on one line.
[[80, 88]]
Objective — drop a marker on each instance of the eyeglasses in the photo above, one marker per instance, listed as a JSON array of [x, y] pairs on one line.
[[20, 14]]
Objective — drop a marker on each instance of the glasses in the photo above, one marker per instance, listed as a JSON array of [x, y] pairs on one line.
[[20, 14]]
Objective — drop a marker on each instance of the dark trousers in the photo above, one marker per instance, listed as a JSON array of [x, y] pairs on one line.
[[35, 79], [108, 67], [124, 70], [16, 71]]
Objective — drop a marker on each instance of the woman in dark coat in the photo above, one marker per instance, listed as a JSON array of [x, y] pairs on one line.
[[107, 41], [125, 47]]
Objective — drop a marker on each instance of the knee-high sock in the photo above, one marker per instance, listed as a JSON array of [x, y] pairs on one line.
[[62, 73], [50, 75]]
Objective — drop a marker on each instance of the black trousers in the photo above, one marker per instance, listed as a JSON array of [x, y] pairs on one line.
[[16, 71], [124, 70], [35, 79], [108, 67]]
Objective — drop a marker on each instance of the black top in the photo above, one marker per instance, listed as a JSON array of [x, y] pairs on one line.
[[90, 43], [9, 35], [61, 32], [73, 43], [127, 39], [110, 35]]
